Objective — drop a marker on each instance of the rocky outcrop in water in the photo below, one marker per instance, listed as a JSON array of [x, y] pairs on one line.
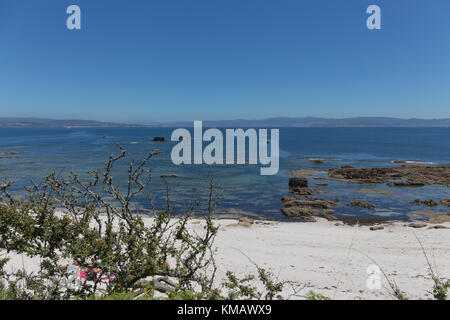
[[307, 191], [3, 153], [411, 176], [9, 155], [307, 214], [307, 209], [159, 139], [314, 203], [430, 202], [169, 175], [298, 182], [361, 204], [407, 183], [377, 191]]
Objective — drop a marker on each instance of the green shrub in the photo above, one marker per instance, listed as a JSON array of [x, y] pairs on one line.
[[100, 232]]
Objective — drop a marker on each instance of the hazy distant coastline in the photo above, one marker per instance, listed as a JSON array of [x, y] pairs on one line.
[[318, 122], [269, 122], [52, 123]]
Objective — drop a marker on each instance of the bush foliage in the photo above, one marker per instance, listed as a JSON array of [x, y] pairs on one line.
[[89, 224]]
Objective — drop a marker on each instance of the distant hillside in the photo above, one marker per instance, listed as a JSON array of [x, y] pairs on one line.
[[318, 122], [270, 122], [51, 123]]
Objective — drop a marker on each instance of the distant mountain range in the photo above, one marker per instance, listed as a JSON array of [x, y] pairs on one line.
[[318, 122], [270, 122], [51, 123]]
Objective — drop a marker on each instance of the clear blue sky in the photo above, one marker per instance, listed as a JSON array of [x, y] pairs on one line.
[[222, 59]]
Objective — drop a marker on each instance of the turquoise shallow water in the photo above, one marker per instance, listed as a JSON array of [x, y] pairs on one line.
[[244, 190]]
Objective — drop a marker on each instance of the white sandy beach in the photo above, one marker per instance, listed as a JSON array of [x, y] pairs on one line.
[[328, 259], [333, 260]]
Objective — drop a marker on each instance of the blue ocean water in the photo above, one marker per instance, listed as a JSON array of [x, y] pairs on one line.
[[245, 191]]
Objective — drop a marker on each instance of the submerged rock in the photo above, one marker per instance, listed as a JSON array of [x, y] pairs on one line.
[[430, 202], [377, 191], [306, 172], [407, 183], [361, 204], [3, 153], [169, 175], [159, 139]]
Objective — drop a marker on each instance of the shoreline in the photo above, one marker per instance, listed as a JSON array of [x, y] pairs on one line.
[[333, 260], [326, 257]]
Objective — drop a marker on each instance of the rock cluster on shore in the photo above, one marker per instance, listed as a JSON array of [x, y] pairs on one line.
[[303, 207]]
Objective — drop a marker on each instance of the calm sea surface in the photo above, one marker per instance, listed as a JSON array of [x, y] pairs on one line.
[[245, 192]]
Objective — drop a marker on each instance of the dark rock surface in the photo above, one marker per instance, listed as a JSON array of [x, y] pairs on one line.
[[298, 182], [412, 175], [430, 202], [307, 191], [361, 204], [307, 214], [407, 183], [307, 209], [315, 203]]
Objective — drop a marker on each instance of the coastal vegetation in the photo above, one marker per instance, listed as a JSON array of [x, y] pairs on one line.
[[90, 244]]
